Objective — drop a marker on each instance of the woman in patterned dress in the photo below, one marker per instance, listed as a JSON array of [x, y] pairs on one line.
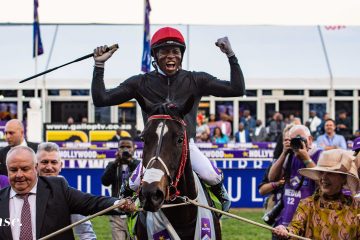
[[328, 214]]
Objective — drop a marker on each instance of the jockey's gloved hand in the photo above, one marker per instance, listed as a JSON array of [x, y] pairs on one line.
[[101, 56], [225, 46]]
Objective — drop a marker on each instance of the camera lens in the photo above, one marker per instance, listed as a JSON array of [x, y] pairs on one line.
[[296, 142], [271, 216], [126, 154]]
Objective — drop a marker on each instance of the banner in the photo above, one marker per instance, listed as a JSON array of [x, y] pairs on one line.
[[243, 170], [86, 132]]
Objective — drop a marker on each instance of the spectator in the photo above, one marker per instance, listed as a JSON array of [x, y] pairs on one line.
[[328, 214], [357, 134], [259, 134], [49, 197], [343, 126], [49, 163], [224, 124], [219, 137], [4, 181], [298, 141], [116, 174], [314, 121], [320, 128], [204, 138], [243, 135], [212, 123], [331, 140], [289, 119], [274, 203], [356, 150], [296, 121], [117, 136], [137, 137], [201, 126], [276, 127], [84, 120], [14, 136], [70, 121], [248, 121]]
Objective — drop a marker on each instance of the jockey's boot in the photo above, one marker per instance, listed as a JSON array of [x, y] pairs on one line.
[[220, 192]]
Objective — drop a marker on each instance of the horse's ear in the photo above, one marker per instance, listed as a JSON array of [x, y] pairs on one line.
[[186, 108]]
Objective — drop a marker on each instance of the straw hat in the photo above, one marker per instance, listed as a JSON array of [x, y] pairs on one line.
[[335, 161]]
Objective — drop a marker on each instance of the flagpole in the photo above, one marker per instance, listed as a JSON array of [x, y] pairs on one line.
[[36, 64], [44, 87]]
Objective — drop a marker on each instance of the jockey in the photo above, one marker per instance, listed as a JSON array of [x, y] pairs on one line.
[[169, 82]]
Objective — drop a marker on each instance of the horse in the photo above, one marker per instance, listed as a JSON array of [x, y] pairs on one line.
[[168, 172]]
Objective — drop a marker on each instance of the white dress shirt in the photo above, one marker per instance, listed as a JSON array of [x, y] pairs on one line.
[[242, 137], [15, 207]]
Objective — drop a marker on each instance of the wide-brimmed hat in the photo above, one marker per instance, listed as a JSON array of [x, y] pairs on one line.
[[335, 161]]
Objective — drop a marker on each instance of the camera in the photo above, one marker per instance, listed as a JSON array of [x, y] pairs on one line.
[[125, 154], [270, 216], [296, 142]]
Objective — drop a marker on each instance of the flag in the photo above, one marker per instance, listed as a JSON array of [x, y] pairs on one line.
[[146, 57], [36, 32]]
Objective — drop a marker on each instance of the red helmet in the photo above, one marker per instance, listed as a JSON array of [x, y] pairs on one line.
[[167, 36]]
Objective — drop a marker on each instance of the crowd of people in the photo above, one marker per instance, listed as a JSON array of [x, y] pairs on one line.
[[326, 132], [312, 188]]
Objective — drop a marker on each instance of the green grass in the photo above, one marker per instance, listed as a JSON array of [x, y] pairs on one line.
[[232, 229]]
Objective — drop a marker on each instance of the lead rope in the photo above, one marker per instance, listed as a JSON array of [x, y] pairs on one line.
[[186, 199]]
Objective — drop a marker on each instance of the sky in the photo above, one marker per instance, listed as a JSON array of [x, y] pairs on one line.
[[204, 12]]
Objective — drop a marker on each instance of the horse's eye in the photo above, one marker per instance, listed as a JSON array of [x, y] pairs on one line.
[[180, 139]]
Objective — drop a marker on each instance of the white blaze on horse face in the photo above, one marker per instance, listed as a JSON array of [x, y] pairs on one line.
[[158, 130], [153, 175]]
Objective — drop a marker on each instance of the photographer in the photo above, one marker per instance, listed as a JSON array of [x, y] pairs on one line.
[[116, 173], [298, 152], [273, 204]]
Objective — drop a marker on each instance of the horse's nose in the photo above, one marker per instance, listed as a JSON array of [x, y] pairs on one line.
[[153, 198]]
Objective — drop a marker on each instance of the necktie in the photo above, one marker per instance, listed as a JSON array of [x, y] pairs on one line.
[[25, 229]]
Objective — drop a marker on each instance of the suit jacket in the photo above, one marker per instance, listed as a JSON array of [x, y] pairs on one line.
[[262, 137], [55, 201], [5, 150], [247, 136]]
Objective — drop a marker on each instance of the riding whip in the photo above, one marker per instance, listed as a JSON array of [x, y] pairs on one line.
[[76, 60]]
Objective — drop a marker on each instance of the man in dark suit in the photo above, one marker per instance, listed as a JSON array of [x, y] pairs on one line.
[[46, 201], [14, 136]]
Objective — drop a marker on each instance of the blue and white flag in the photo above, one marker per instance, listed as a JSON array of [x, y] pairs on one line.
[[37, 44], [146, 57]]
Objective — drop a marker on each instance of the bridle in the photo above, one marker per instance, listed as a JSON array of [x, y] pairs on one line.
[[172, 191]]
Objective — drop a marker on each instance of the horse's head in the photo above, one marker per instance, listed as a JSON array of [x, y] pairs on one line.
[[164, 155]]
